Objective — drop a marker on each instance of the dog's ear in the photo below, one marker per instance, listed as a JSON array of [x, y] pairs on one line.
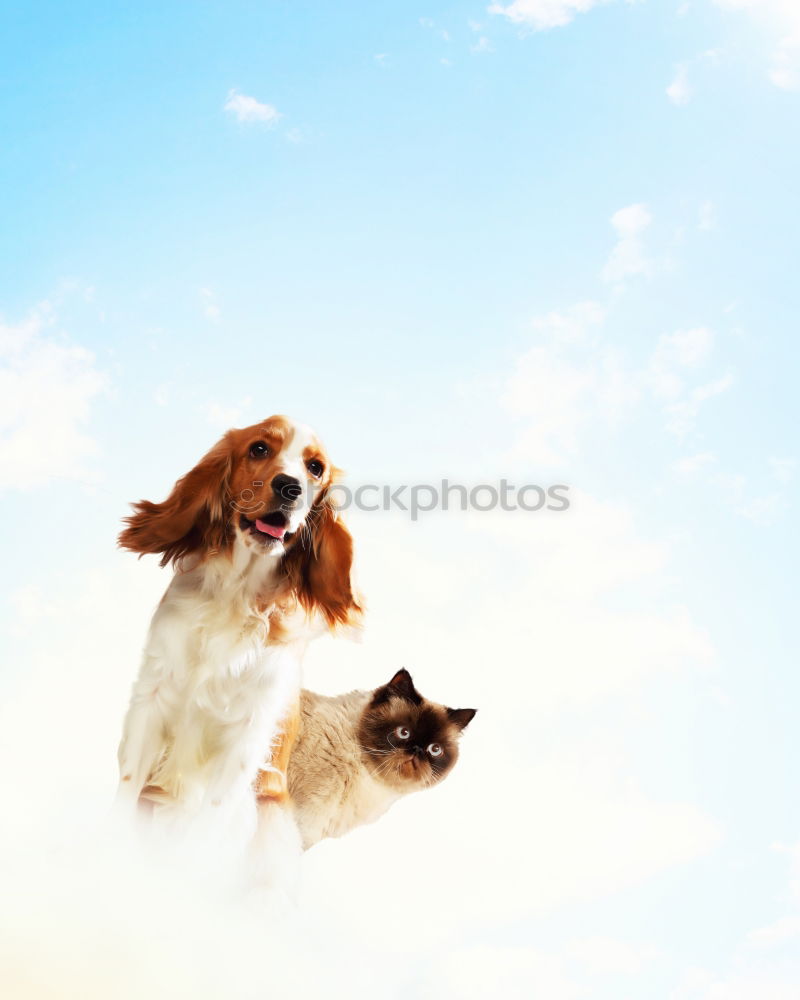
[[194, 516], [320, 566]]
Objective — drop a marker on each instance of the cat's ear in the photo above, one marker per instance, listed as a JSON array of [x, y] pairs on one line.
[[461, 717], [400, 686]]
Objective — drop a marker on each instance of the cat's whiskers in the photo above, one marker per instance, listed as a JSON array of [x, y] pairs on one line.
[[382, 770], [377, 753]]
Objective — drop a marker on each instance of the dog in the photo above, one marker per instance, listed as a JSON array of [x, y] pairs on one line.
[[263, 562]]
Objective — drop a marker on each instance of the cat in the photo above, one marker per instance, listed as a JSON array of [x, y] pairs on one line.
[[356, 754]]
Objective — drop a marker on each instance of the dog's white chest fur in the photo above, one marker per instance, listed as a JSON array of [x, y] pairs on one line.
[[212, 690]]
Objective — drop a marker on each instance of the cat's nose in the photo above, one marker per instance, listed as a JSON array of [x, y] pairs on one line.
[[418, 751]]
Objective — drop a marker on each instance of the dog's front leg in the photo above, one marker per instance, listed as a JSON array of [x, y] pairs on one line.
[[140, 748], [245, 741]]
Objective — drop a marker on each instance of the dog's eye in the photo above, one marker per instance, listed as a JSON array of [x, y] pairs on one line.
[[435, 750], [259, 450], [402, 733], [316, 468]]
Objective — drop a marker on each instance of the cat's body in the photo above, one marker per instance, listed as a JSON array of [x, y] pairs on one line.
[[332, 791], [356, 754]]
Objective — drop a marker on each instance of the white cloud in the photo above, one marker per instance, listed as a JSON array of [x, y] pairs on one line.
[[573, 381], [248, 109], [783, 469], [47, 386], [680, 91], [760, 509], [760, 984], [628, 256], [785, 72], [482, 45], [765, 966], [692, 463], [553, 394], [543, 14], [683, 349], [571, 326], [225, 417], [674, 362], [733, 489], [792, 851], [211, 309], [556, 393], [511, 973], [778, 932], [610, 956], [731, 485], [782, 20], [54, 614], [428, 22], [764, 509], [682, 414], [706, 217], [162, 394]]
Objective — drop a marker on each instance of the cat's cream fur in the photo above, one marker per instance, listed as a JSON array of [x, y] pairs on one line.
[[331, 790]]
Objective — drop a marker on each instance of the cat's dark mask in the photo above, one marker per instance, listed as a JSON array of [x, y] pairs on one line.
[[408, 741]]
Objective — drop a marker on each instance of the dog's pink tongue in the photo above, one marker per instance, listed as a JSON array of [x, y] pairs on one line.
[[270, 529]]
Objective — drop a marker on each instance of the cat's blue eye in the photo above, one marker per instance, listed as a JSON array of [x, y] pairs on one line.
[[402, 733], [435, 750]]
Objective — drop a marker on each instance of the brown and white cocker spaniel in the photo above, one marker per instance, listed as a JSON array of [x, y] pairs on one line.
[[262, 563]]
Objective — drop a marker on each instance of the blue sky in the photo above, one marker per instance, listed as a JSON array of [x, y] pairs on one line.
[[463, 242]]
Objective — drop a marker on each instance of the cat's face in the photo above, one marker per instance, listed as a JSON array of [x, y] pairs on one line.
[[408, 741]]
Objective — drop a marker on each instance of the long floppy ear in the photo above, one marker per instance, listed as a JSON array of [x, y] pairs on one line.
[[194, 516], [321, 567]]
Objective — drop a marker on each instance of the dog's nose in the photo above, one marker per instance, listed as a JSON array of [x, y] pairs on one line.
[[286, 487]]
